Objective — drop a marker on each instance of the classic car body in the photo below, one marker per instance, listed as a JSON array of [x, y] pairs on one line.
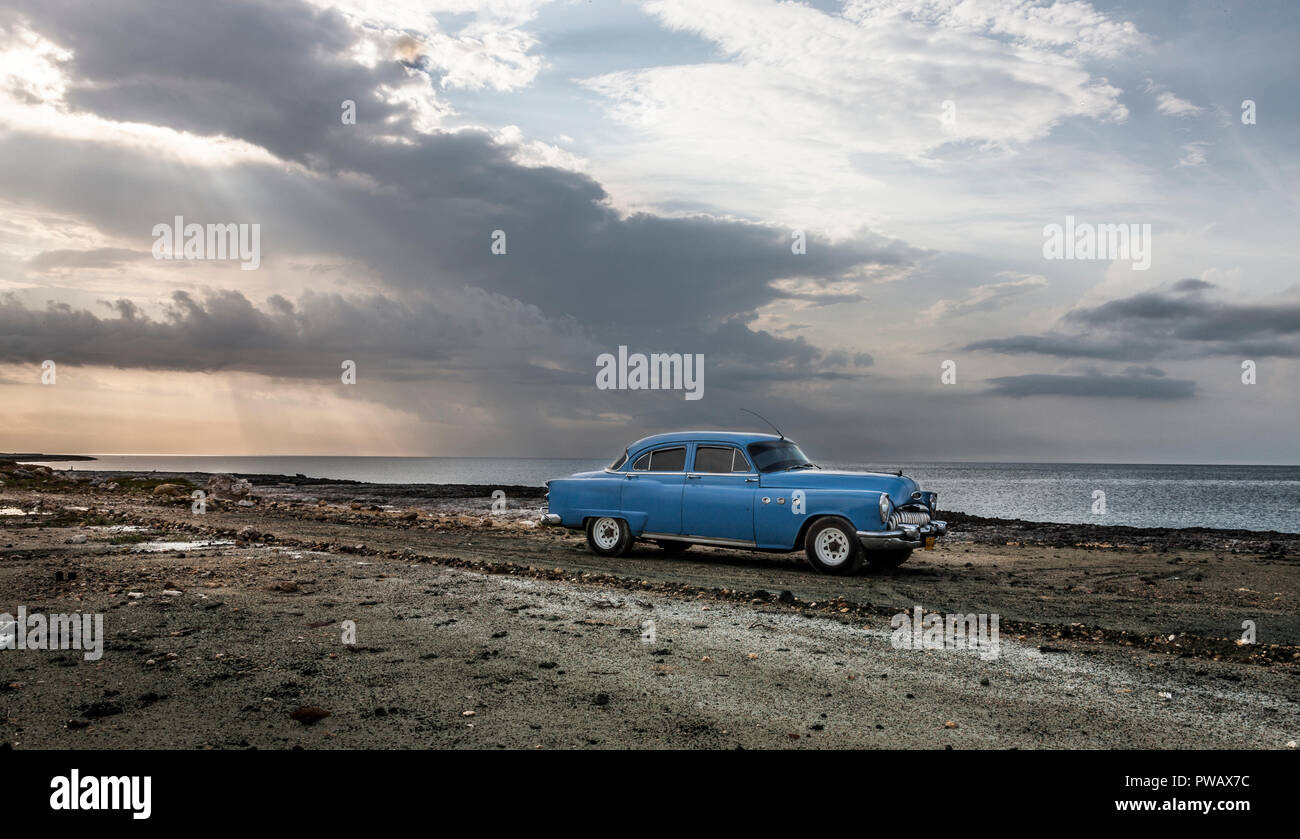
[[745, 490]]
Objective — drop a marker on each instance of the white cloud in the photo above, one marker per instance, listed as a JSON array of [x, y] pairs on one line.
[[1171, 105], [493, 50], [1075, 27], [985, 297], [808, 111], [1193, 154]]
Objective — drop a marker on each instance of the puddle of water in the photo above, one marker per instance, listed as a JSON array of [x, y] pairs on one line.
[[159, 547]]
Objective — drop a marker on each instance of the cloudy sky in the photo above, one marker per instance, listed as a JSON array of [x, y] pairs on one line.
[[653, 167]]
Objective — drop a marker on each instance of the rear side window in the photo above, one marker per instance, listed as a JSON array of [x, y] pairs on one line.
[[668, 460], [661, 460], [714, 458]]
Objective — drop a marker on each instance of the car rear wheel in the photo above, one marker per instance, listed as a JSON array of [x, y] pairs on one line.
[[673, 547], [888, 559], [832, 547], [608, 536]]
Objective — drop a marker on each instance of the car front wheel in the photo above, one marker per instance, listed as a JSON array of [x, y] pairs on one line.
[[608, 536], [832, 547]]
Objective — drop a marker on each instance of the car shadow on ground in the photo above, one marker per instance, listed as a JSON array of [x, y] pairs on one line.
[[794, 561]]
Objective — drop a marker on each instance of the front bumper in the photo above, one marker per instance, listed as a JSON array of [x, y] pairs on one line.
[[902, 536]]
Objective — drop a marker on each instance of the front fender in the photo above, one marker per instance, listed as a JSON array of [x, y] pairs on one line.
[[779, 524]]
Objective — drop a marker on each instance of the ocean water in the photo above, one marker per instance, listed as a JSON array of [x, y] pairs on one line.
[[1141, 495]]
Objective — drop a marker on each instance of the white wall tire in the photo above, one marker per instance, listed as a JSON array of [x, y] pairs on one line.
[[608, 536], [832, 547]]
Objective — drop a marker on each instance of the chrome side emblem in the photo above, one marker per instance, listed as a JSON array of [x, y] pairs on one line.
[[766, 500], [780, 500]]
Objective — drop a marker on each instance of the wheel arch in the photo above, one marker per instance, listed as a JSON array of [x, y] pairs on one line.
[[635, 521], [813, 519]]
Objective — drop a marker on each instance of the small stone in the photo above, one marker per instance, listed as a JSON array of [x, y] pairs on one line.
[[308, 714]]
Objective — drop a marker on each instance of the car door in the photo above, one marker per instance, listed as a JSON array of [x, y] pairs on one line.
[[653, 486], [718, 502]]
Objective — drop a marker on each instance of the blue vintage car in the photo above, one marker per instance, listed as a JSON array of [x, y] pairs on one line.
[[749, 491]]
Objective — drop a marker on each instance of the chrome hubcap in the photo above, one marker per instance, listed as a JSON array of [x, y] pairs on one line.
[[605, 533], [832, 546]]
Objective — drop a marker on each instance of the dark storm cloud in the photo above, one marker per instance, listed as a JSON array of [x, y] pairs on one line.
[[268, 71], [1179, 321], [225, 331], [423, 214], [484, 338], [1066, 346], [1093, 385]]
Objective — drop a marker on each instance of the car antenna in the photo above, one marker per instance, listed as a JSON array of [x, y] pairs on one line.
[[766, 420]]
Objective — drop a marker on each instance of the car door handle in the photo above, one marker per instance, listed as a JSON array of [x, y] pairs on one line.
[[693, 477], [751, 480], [631, 476]]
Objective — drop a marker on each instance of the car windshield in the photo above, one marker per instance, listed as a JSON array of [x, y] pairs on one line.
[[776, 455], [618, 464]]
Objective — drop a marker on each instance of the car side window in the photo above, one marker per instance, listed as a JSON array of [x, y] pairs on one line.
[[713, 458], [668, 460], [642, 463], [738, 462]]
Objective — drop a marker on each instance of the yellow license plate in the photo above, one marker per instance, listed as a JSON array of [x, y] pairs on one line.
[[929, 543]]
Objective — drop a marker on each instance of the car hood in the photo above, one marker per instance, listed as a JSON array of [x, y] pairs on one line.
[[899, 487]]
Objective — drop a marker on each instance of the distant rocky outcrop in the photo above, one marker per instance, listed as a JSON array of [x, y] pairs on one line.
[[229, 487]]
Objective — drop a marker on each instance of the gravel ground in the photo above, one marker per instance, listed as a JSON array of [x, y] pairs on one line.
[[476, 631]]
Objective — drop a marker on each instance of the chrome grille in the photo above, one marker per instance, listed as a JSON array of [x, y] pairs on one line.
[[911, 517]]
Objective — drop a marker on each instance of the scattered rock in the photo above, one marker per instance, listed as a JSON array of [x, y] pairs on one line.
[[228, 486], [102, 708], [308, 714]]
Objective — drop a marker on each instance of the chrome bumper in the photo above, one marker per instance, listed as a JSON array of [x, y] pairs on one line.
[[903, 536], [550, 518]]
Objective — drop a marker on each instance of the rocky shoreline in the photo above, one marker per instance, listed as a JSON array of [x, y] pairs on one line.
[[477, 629], [522, 502]]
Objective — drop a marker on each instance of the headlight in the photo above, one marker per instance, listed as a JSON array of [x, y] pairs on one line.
[[886, 507]]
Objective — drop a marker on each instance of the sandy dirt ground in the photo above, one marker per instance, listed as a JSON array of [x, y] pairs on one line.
[[226, 630]]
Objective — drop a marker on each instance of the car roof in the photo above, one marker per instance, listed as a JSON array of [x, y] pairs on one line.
[[740, 438]]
